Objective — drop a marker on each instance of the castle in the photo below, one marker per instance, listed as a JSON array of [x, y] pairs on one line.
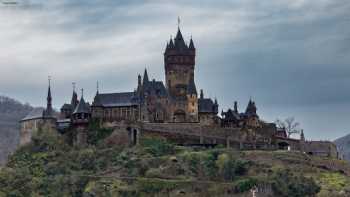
[[172, 109]]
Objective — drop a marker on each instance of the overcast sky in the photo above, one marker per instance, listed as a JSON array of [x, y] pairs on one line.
[[292, 56]]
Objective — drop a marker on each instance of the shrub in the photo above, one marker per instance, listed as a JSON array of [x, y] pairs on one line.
[[245, 185], [229, 167], [96, 133], [286, 184], [157, 146]]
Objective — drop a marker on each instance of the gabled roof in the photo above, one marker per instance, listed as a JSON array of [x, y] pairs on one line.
[[116, 99], [206, 105]]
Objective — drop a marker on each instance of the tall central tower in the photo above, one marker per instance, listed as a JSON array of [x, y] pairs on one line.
[[179, 62]]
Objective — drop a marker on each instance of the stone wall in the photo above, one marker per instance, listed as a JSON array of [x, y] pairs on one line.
[[198, 134], [30, 127]]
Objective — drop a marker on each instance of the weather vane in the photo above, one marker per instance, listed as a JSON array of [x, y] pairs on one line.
[[73, 84], [49, 78]]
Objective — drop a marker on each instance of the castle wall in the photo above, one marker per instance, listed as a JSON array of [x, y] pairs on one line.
[[30, 127], [320, 148]]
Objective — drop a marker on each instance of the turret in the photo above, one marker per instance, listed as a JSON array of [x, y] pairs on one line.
[[235, 107], [81, 114], [202, 94], [251, 108]]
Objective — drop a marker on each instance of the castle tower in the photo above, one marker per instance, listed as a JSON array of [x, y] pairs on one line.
[[80, 119], [179, 63]]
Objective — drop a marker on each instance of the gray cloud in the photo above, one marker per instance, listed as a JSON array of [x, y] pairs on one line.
[[291, 56]]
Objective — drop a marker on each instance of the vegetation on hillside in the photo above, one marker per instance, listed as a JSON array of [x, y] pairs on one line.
[[50, 167], [11, 111]]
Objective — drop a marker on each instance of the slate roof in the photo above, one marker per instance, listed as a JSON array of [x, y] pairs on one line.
[[36, 113], [178, 44], [155, 87], [66, 107], [206, 105], [231, 115], [82, 107], [115, 99]]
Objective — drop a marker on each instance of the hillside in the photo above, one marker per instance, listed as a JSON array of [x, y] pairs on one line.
[[50, 167], [11, 111], [343, 145]]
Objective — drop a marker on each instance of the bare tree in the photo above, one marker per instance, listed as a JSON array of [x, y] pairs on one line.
[[289, 124]]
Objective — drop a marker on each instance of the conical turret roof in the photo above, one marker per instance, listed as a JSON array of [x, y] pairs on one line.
[[145, 77], [82, 107]]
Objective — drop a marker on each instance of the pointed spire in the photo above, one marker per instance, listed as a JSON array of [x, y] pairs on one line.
[[191, 46], [145, 77], [179, 41], [202, 94], [74, 101], [49, 98], [179, 37], [171, 43], [82, 107], [236, 107]]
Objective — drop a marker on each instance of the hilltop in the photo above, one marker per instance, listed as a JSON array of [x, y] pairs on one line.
[[49, 167], [11, 111]]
